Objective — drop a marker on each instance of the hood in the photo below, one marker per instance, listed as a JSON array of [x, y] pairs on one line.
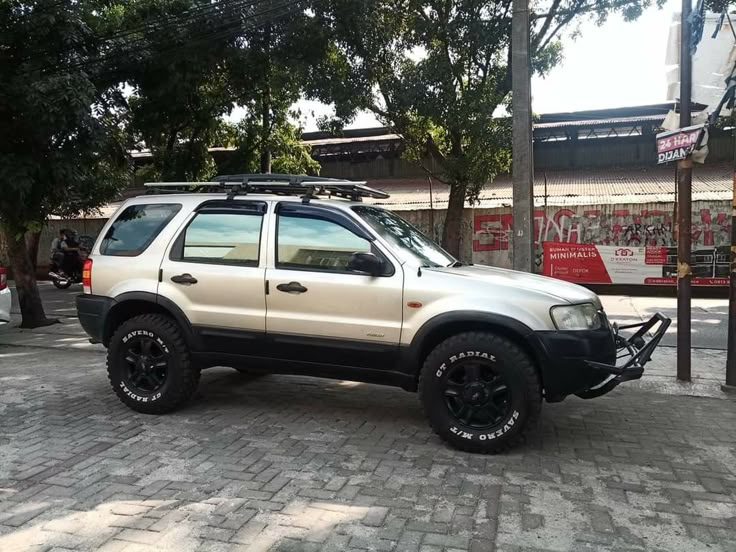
[[501, 277]]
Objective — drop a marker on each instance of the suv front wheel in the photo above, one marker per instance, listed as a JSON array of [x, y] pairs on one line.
[[149, 366], [479, 391]]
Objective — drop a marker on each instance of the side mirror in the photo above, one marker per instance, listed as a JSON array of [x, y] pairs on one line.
[[367, 263]]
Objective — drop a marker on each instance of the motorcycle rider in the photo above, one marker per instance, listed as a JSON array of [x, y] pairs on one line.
[[65, 252], [56, 254]]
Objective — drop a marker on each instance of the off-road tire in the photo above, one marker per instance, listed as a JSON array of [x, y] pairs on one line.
[[500, 355], [182, 375]]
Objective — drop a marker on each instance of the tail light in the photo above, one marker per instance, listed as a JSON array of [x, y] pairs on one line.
[[3, 279], [87, 276]]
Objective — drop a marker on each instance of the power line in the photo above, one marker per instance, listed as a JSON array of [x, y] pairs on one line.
[[159, 24], [229, 28], [191, 15]]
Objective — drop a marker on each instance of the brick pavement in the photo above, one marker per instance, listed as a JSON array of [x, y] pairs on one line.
[[292, 464]]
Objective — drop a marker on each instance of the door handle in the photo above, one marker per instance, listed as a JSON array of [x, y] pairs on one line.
[[291, 287], [184, 279]]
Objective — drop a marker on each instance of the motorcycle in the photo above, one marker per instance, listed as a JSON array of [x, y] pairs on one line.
[[64, 280]]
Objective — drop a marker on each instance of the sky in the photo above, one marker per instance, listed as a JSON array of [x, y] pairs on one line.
[[618, 64]]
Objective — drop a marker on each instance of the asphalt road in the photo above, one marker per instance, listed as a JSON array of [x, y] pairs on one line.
[[709, 316]]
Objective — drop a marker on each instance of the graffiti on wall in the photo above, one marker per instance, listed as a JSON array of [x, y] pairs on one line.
[[619, 226]]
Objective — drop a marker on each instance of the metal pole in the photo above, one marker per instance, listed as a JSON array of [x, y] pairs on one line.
[[522, 153], [684, 216], [431, 209], [730, 385]]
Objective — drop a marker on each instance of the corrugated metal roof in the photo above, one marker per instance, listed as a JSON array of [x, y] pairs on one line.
[[333, 141], [564, 188], [589, 187], [591, 122]]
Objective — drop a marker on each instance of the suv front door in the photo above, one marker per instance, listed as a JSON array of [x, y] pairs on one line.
[[214, 273], [318, 309]]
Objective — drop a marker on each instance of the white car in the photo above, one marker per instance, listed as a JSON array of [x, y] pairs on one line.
[[4, 297]]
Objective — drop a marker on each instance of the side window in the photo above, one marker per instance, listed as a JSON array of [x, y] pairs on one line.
[[313, 243], [136, 227], [221, 238]]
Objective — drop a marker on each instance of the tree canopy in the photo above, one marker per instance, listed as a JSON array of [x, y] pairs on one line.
[[85, 81], [62, 141], [438, 70]]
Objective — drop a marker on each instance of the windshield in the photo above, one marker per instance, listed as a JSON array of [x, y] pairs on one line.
[[408, 239]]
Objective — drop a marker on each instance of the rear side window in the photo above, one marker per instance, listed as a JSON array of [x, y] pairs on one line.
[[136, 227], [221, 238]]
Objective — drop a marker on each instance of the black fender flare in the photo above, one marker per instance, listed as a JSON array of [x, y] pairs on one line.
[[520, 332], [167, 305]]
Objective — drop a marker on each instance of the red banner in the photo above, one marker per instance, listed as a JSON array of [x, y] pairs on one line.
[[608, 264]]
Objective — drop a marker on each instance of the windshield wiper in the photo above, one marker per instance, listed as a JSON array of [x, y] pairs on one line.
[[456, 264]]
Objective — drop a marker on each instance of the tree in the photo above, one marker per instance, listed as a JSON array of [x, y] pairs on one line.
[[287, 152], [437, 71], [270, 68], [201, 60], [62, 149], [175, 63]]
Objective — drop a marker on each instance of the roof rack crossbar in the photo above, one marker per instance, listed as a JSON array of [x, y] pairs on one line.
[[307, 186]]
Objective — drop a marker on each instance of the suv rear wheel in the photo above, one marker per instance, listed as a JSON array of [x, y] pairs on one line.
[[149, 366], [479, 391]]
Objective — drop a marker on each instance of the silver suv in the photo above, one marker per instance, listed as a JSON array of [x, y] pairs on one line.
[[298, 275]]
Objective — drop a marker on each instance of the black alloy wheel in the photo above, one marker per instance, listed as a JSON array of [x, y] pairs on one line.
[[147, 365], [476, 394]]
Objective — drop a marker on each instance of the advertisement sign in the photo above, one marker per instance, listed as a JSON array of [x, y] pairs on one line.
[[677, 144], [610, 264]]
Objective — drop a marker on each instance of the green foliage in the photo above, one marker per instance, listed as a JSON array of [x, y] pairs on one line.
[[437, 71], [62, 147], [290, 156], [270, 68], [179, 89], [190, 73]]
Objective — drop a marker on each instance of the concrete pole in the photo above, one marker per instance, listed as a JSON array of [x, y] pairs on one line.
[[730, 385], [684, 207], [522, 152]]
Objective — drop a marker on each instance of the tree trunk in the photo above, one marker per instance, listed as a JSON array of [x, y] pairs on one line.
[[266, 105], [452, 230], [265, 134], [32, 242], [29, 297], [168, 156]]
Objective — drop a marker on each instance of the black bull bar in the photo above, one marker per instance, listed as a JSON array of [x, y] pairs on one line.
[[635, 348]]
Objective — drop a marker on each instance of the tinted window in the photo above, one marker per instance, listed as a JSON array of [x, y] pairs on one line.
[[136, 227], [316, 243], [229, 238]]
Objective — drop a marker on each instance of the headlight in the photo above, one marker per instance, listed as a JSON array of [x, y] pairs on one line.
[[576, 317]]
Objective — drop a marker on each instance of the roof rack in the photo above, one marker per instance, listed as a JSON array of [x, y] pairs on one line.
[[278, 184]]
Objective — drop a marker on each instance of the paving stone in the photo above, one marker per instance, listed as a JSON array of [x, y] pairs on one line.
[[289, 463]]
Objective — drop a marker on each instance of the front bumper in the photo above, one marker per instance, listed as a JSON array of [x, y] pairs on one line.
[[591, 363], [634, 351]]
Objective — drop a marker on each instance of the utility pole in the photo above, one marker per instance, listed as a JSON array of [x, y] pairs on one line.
[[522, 152], [684, 207], [730, 385]]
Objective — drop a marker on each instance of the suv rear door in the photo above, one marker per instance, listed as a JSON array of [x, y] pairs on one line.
[[214, 272], [318, 310]]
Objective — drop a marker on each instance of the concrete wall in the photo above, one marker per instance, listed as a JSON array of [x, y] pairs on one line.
[[487, 233]]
